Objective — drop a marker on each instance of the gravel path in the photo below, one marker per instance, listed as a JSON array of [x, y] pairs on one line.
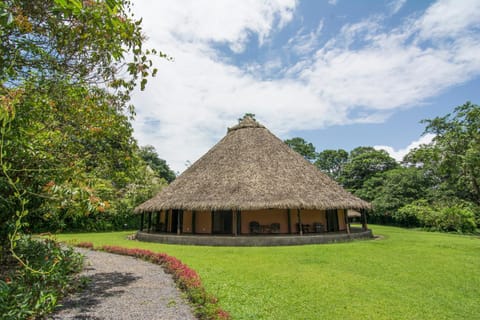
[[123, 287]]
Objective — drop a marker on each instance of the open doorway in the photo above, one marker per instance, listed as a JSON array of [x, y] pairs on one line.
[[332, 220], [222, 222]]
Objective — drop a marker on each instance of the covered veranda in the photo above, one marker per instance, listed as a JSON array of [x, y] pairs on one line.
[[264, 227]]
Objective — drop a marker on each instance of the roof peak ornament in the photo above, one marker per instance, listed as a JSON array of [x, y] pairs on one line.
[[247, 121]]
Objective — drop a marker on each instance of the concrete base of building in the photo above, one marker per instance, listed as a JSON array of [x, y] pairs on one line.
[[253, 240]]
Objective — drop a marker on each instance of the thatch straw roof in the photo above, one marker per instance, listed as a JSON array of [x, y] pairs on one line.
[[353, 214], [250, 169]]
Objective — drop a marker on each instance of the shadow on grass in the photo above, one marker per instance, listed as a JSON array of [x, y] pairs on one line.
[[99, 287]]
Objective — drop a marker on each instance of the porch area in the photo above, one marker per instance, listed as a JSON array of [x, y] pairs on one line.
[[266, 227]]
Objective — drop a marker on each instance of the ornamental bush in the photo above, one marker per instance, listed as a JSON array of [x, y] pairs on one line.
[[455, 217], [28, 293]]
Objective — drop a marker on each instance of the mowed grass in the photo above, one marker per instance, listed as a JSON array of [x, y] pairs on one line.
[[407, 274]]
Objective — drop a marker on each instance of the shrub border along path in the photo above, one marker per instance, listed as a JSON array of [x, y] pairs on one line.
[[205, 305]]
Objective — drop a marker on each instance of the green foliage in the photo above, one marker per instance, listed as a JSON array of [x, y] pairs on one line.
[[444, 194], [454, 154], [67, 69], [159, 166], [332, 162], [304, 148], [456, 217], [364, 163], [396, 272], [82, 41], [390, 190], [74, 161], [27, 293], [445, 174], [68, 158]]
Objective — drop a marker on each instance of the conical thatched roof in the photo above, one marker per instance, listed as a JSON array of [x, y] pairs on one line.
[[250, 169]]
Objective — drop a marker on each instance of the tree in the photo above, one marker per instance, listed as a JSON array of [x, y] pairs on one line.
[[390, 190], [67, 68], [456, 151], [159, 166], [364, 163], [332, 162], [306, 149], [79, 41]]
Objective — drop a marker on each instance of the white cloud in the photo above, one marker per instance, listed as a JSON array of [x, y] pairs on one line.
[[305, 42], [396, 5], [366, 67], [449, 19], [332, 2], [399, 154], [204, 21]]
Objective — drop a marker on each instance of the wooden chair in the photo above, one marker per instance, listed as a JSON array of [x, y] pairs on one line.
[[318, 227], [275, 227], [254, 227]]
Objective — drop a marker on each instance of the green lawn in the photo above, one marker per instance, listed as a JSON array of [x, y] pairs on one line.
[[406, 275]]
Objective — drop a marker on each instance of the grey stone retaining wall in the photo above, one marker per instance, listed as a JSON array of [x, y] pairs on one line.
[[257, 240]]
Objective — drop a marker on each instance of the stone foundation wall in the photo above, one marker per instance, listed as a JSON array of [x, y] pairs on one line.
[[251, 241]]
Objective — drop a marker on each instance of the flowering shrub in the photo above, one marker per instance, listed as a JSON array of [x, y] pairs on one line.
[[186, 278], [87, 245]]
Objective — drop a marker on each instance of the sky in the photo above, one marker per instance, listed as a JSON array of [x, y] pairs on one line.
[[338, 73]]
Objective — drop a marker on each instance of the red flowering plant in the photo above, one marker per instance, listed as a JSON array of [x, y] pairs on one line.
[[87, 245]]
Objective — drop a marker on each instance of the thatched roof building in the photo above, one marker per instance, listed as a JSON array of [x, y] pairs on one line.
[[250, 170]]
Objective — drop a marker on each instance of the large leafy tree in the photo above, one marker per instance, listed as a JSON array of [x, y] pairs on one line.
[[159, 166], [67, 68], [364, 163], [79, 41], [332, 162], [453, 157], [304, 148], [390, 190]]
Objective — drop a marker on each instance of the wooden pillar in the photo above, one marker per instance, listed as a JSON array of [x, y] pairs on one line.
[[179, 222], [211, 221], [299, 219], [157, 226], [234, 222], [345, 217], [164, 227], [167, 214], [364, 219], [239, 222], [142, 219], [149, 221], [193, 221], [289, 218]]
